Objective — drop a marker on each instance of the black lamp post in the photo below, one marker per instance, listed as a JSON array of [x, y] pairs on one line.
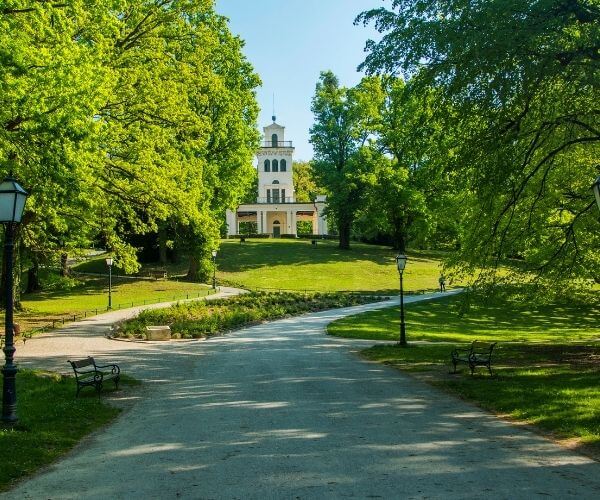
[[596, 189], [214, 256], [12, 203], [109, 263], [401, 264]]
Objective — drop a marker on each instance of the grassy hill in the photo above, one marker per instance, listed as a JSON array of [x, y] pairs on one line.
[[299, 265]]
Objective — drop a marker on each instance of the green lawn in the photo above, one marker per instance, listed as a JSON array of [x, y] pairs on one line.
[[51, 422], [440, 321], [298, 265], [546, 363], [41, 308]]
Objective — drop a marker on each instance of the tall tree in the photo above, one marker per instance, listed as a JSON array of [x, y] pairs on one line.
[[124, 117], [305, 184], [521, 79], [343, 122]]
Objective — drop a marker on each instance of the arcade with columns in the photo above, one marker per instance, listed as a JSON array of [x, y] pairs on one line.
[[276, 210]]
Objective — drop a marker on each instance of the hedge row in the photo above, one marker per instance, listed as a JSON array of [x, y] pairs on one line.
[[206, 318]]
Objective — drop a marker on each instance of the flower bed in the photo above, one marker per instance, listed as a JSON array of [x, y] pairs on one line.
[[205, 318]]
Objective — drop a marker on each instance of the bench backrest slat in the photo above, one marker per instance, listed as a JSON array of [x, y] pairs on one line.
[[478, 347], [82, 363]]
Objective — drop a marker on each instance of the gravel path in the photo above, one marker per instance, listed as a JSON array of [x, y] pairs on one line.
[[280, 410]]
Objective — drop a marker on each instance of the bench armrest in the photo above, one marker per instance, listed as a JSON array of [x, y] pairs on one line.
[[86, 372], [113, 368], [458, 352]]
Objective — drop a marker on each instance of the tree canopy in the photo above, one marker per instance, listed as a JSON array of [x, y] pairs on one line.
[[123, 117], [521, 79]]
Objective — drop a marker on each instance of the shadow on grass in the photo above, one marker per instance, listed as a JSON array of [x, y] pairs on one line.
[[261, 253], [553, 386], [440, 321]]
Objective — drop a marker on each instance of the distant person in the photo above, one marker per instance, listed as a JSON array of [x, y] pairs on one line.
[[442, 281]]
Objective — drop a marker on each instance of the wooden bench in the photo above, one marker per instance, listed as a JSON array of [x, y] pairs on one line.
[[88, 373], [158, 274], [479, 354]]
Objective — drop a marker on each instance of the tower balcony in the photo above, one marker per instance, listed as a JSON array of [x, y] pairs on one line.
[[277, 144]]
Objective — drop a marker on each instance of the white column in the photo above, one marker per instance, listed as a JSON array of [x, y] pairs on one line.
[[259, 221], [231, 217], [294, 222], [323, 225], [315, 223], [288, 221]]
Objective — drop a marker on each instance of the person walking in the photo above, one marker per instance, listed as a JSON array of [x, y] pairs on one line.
[[442, 281]]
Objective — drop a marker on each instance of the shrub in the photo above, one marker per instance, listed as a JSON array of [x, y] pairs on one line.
[[254, 236], [205, 318]]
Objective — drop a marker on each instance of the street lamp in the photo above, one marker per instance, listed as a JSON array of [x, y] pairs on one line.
[[12, 203], [401, 264], [214, 256], [109, 263], [596, 189]]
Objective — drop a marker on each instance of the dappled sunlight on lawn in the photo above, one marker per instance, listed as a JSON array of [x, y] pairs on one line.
[[440, 321], [298, 265], [279, 407]]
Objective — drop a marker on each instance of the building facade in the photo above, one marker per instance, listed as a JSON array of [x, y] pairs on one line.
[[277, 211]]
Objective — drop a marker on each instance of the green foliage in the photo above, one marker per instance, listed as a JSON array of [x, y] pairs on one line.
[[305, 184], [343, 161], [518, 77], [51, 422], [52, 281], [121, 117], [201, 319]]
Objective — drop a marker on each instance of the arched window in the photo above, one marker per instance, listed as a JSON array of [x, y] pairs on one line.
[[275, 182], [276, 222], [275, 166], [267, 166], [274, 141], [282, 166]]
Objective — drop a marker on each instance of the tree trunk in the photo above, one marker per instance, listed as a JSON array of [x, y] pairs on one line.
[[162, 245], [194, 268], [399, 235], [64, 269], [16, 275], [33, 278], [344, 230]]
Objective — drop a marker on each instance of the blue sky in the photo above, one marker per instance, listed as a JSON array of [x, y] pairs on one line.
[[289, 42]]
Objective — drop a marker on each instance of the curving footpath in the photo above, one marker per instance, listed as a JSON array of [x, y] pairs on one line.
[[280, 410]]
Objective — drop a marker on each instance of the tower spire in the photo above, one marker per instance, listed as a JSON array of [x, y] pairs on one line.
[[274, 117]]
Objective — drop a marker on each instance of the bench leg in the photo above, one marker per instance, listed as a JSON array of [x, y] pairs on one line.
[[454, 363], [489, 367], [117, 379], [472, 367]]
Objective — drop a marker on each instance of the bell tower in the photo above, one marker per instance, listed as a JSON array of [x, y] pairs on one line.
[[275, 181]]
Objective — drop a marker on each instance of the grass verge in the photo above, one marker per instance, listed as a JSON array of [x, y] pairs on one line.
[[546, 363], [90, 296], [51, 422]]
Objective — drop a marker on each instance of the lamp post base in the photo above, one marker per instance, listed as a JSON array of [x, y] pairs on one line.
[[402, 342], [9, 396]]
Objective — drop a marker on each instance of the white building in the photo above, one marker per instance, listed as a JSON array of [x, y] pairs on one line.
[[277, 211]]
